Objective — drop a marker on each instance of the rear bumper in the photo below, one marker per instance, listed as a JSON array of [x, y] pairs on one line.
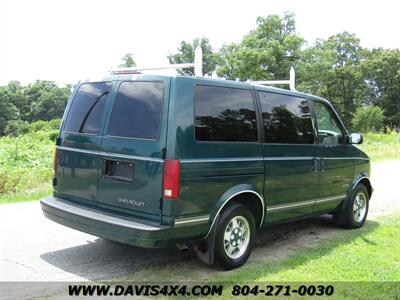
[[137, 232]]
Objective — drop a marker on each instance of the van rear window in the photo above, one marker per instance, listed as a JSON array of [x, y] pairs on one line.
[[86, 112], [224, 114], [137, 110]]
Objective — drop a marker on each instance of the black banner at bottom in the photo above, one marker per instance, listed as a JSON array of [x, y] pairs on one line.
[[222, 290]]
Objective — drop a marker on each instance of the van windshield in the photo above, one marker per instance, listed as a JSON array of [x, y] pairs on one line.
[[86, 112]]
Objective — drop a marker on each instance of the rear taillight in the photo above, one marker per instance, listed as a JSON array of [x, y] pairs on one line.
[[171, 179], [55, 161]]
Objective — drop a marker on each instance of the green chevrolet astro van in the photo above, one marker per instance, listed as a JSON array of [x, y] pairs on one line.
[[154, 161]]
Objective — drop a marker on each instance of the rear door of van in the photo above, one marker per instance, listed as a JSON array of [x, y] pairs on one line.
[[132, 148], [78, 158]]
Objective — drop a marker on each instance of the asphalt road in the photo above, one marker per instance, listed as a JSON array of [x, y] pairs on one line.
[[35, 249]]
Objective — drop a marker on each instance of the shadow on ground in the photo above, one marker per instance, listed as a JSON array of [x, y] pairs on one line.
[[106, 260]]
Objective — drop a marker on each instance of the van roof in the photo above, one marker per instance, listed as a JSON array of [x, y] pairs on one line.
[[118, 77]]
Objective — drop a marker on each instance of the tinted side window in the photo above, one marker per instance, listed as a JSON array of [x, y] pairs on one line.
[[329, 130], [224, 114], [137, 110], [286, 119], [85, 114]]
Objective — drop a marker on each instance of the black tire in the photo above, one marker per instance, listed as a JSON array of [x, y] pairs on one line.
[[347, 218], [221, 258]]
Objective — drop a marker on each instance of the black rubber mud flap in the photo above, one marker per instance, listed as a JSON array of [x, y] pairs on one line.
[[339, 216], [207, 255]]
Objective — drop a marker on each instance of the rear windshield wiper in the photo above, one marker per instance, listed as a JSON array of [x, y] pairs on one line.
[[91, 108]]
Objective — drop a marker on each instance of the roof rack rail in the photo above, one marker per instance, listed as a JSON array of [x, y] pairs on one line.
[[197, 64], [290, 82], [198, 71]]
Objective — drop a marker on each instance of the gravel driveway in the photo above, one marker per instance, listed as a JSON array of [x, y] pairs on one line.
[[35, 249]]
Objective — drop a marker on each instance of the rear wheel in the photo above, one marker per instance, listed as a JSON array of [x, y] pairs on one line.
[[234, 237], [356, 210]]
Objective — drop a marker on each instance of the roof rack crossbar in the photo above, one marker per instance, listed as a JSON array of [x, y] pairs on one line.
[[197, 64], [290, 82]]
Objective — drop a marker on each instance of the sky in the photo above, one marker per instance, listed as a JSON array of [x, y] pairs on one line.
[[68, 40]]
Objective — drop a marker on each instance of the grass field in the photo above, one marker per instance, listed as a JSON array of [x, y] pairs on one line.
[[26, 162], [377, 246], [42, 190], [381, 146]]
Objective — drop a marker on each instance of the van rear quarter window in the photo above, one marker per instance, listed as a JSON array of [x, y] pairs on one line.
[[137, 110], [224, 114], [286, 119], [85, 114]]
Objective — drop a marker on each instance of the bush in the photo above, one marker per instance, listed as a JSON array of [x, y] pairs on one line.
[[26, 159], [368, 118], [44, 125], [16, 127]]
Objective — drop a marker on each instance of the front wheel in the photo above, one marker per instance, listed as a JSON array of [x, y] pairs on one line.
[[234, 238], [356, 210]]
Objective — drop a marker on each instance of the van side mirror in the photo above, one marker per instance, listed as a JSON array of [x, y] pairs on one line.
[[355, 138]]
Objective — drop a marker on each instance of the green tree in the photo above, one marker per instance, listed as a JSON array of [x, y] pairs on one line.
[[46, 100], [19, 99], [127, 61], [332, 69], [41, 100], [382, 73], [368, 118], [34, 91], [186, 53], [16, 127], [8, 111], [50, 104], [267, 52]]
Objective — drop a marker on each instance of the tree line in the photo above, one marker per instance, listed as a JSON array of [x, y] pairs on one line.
[[20, 105], [363, 84]]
